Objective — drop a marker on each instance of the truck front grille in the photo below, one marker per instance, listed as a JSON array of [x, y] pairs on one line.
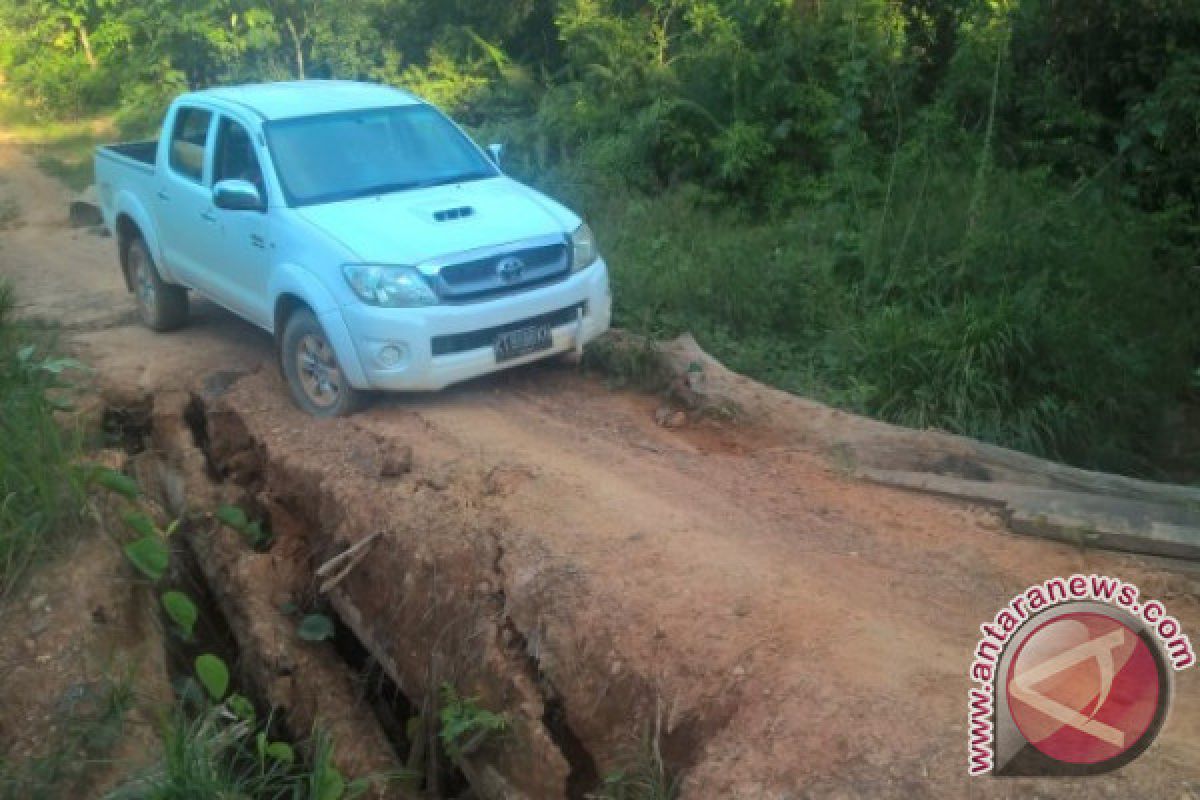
[[450, 343], [482, 278]]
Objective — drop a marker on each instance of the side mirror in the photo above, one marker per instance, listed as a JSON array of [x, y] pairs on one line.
[[237, 196], [497, 151]]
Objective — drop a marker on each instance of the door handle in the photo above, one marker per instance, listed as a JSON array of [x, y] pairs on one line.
[[257, 240], [163, 195], [207, 216]]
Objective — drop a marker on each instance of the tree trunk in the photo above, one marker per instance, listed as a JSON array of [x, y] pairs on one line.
[[291, 26], [86, 42]]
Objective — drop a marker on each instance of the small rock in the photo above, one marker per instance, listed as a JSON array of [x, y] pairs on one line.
[[38, 626], [395, 460], [38, 602], [739, 672], [668, 418], [616, 668]]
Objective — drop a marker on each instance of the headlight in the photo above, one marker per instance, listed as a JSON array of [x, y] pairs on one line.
[[392, 287], [583, 248]]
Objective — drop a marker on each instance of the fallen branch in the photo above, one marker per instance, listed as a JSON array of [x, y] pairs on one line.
[[351, 557]]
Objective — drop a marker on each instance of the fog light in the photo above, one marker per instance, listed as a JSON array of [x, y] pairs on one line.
[[391, 355]]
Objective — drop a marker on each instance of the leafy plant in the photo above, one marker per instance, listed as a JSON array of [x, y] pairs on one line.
[[181, 610], [642, 775], [465, 727], [213, 675], [116, 482], [149, 554], [41, 492], [315, 628], [235, 518]]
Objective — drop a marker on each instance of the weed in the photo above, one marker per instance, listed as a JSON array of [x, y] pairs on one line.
[[465, 727], [41, 495], [642, 774]]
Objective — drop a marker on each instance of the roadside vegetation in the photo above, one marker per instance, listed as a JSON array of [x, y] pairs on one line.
[[975, 215], [41, 494]]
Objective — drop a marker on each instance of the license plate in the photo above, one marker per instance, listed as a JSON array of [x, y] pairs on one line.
[[522, 342]]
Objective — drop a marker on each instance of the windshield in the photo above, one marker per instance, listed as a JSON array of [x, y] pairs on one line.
[[331, 157]]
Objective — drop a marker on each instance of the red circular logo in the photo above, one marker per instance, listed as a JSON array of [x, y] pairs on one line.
[[1083, 688]]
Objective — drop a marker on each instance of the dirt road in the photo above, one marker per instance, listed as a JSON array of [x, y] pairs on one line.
[[802, 633]]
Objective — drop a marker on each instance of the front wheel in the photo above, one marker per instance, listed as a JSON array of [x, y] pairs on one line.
[[161, 306], [313, 374]]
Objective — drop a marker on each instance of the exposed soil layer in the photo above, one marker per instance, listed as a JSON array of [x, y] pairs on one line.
[[545, 545]]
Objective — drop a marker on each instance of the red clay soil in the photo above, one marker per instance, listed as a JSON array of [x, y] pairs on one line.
[[801, 633]]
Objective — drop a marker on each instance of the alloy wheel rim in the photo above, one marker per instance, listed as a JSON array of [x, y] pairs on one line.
[[320, 377], [143, 284]]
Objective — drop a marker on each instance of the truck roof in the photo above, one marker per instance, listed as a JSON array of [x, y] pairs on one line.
[[285, 99]]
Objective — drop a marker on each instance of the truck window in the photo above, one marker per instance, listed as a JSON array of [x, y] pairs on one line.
[[236, 159], [188, 140]]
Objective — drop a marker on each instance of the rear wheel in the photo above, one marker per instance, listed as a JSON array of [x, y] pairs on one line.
[[311, 368], [161, 306]]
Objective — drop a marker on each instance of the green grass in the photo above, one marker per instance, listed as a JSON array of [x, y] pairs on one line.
[[210, 755], [60, 147], [41, 494], [1013, 310], [641, 775]]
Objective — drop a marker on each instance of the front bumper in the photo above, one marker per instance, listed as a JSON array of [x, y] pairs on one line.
[[360, 333]]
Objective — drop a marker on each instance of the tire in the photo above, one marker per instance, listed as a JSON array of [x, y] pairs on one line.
[[162, 306], [310, 367]]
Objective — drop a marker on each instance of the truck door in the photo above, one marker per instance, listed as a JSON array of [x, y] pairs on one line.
[[183, 201], [236, 254]]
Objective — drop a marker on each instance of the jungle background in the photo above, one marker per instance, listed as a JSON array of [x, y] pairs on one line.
[[974, 215]]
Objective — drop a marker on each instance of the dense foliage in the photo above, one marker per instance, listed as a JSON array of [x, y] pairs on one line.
[[979, 215]]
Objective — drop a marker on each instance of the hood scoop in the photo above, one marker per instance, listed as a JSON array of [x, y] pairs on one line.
[[451, 214]]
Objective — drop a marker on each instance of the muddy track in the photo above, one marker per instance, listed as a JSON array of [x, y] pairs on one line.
[[539, 541]]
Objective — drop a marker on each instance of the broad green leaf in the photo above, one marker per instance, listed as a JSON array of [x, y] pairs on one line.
[[149, 554], [315, 628], [213, 675], [115, 482], [140, 523], [241, 707], [282, 752], [330, 785], [56, 365], [181, 610], [232, 516], [255, 535]]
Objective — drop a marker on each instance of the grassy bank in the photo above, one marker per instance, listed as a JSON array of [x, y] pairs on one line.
[[40, 490], [1046, 318]]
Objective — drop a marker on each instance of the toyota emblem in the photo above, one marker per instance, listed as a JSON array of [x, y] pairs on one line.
[[510, 269]]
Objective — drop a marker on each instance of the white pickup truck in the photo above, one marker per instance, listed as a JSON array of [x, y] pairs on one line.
[[357, 224]]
